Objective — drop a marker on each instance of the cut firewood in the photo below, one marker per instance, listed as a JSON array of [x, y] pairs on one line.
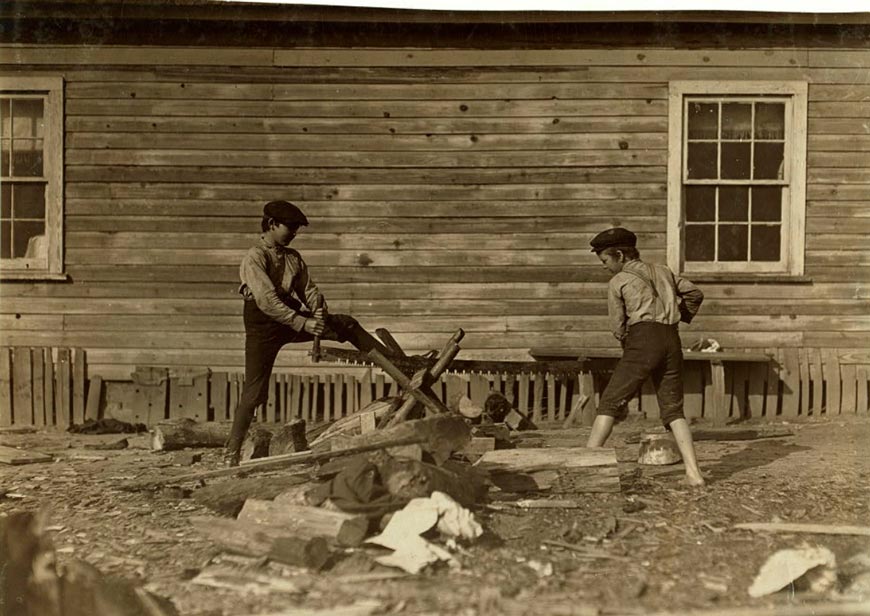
[[227, 497], [256, 443], [815, 529], [265, 540], [409, 479], [289, 438], [181, 433], [559, 470], [518, 421], [478, 446], [500, 432], [576, 410], [439, 435], [343, 528]]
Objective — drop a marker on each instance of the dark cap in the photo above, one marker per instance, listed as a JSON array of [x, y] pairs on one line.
[[285, 212], [613, 237]]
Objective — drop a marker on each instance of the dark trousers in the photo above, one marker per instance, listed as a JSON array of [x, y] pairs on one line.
[[651, 350], [264, 337]]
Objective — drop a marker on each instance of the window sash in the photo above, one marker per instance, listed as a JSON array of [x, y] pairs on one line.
[[50, 90], [792, 213]]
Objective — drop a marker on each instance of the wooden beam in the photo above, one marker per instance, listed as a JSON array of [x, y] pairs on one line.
[[343, 528], [557, 469]]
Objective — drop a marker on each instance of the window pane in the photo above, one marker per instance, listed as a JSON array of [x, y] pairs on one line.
[[4, 118], [770, 121], [735, 161], [733, 242], [700, 244], [737, 121], [765, 242], [5, 239], [29, 201], [27, 118], [700, 203], [702, 161], [734, 203], [703, 121], [5, 200], [769, 161], [767, 203], [4, 159], [22, 232], [27, 158]]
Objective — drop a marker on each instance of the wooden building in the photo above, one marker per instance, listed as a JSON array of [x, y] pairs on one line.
[[454, 167]]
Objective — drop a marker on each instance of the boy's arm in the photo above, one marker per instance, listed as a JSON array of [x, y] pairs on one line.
[[616, 311], [255, 276], [304, 287], [691, 296]]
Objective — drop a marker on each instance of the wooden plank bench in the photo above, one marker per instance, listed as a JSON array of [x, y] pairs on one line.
[[720, 400]]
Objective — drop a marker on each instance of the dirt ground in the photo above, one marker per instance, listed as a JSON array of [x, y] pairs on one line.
[[663, 547]]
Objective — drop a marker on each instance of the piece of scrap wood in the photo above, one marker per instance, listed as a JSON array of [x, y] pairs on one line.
[[363, 607], [10, 455], [248, 582], [816, 529], [828, 608], [583, 551], [546, 503]]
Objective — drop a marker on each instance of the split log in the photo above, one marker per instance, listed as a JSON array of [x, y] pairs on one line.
[[409, 479], [256, 443], [559, 470], [181, 433], [478, 446], [439, 435], [264, 540], [289, 438], [344, 528], [500, 432], [228, 497], [516, 420]]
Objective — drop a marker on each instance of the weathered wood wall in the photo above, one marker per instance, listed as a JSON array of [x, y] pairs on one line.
[[445, 188]]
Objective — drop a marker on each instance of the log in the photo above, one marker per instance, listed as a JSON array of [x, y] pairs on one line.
[[478, 446], [344, 528], [267, 464], [264, 540], [352, 424], [228, 497], [289, 438], [181, 433], [256, 443], [515, 420], [439, 435], [409, 479], [560, 470], [500, 432]]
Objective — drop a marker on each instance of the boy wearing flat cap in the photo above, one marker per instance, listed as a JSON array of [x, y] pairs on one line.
[[646, 303], [280, 300]]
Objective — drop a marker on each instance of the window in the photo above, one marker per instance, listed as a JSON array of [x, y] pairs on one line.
[[736, 177], [31, 177]]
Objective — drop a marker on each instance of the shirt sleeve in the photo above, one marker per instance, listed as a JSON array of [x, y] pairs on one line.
[[304, 287], [256, 277], [616, 310], [690, 294]]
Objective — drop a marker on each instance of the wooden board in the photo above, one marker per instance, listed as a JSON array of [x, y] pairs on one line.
[[831, 370], [791, 382], [48, 387], [554, 469], [771, 386], [5, 387], [79, 384], [95, 393], [63, 391], [10, 455], [816, 375], [863, 378], [218, 396], [22, 386], [38, 385]]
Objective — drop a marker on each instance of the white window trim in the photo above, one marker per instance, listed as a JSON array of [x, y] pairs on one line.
[[797, 160], [52, 268]]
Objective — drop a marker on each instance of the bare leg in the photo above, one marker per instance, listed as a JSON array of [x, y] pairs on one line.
[[601, 428], [683, 437]]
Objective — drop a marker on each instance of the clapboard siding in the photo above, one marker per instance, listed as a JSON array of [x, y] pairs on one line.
[[445, 187]]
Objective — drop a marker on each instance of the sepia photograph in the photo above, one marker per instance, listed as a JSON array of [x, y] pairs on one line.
[[409, 308]]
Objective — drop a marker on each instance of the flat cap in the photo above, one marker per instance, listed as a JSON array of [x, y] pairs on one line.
[[616, 236], [285, 212]]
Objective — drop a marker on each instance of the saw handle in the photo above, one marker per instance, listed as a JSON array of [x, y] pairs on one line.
[[315, 349]]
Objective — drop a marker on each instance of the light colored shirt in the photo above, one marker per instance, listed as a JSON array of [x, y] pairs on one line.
[[276, 278], [631, 298]]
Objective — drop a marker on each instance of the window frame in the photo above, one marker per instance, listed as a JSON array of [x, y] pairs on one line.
[[52, 267], [793, 216]]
